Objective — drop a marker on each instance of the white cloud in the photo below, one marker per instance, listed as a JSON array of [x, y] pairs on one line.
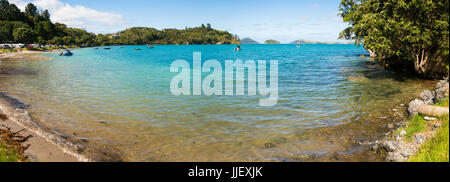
[[19, 3], [76, 15]]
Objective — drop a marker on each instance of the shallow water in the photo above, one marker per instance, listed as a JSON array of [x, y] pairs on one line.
[[330, 100]]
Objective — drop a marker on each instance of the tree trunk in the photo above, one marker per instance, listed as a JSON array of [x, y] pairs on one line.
[[421, 63], [432, 110]]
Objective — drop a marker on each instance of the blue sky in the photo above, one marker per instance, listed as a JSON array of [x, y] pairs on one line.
[[283, 20]]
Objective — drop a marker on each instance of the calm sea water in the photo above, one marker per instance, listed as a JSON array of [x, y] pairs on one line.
[[330, 100]]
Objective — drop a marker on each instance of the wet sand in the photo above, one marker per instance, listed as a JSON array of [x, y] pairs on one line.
[[40, 150]]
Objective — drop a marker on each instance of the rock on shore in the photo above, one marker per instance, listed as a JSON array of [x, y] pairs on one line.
[[394, 146]]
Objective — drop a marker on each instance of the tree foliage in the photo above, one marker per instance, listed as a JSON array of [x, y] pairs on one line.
[[401, 31], [31, 9], [24, 35]]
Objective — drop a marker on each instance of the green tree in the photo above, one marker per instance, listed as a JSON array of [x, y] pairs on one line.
[[31, 9], [40, 40], [401, 31], [57, 41], [46, 29], [8, 27], [4, 5], [45, 15], [9, 12], [24, 35], [4, 34], [68, 40]]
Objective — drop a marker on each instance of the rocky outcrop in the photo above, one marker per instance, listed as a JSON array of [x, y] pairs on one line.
[[427, 97], [394, 146], [441, 91], [423, 104]]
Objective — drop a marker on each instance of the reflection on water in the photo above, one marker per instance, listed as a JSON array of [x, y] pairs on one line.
[[330, 101]]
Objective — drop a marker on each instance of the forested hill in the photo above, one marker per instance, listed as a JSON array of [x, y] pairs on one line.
[[34, 26], [198, 35]]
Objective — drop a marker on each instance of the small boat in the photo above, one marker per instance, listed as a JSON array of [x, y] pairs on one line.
[[67, 53], [137, 49], [96, 48], [150, 47], [107, 48], [238, 48]]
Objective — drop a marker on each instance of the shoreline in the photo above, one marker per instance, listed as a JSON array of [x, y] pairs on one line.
[[45, 144]]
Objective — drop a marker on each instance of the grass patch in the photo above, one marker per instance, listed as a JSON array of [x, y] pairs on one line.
[[415, 125], [7, 154], [443, 103], [8, 50], [437, 148]]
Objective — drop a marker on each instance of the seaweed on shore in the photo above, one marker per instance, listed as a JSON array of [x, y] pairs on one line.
[[3, 117], [15, 141]]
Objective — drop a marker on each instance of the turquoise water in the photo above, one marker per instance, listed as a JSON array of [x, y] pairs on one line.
[[329, 99]]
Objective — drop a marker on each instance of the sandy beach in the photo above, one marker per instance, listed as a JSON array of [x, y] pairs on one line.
[[43, 145]]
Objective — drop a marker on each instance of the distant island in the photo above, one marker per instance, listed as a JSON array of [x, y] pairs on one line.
[[301, 41], [249, 41], [188, 36], [271, 41]]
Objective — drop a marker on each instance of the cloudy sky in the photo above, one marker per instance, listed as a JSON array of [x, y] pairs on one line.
[[283, 20]]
